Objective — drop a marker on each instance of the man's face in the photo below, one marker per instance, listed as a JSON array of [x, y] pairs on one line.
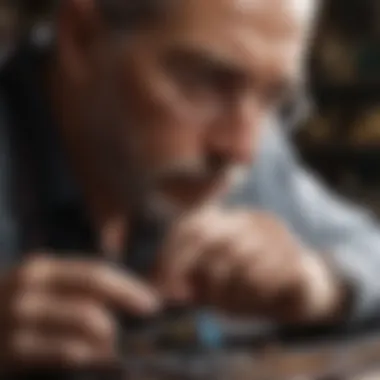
[[174, 113]]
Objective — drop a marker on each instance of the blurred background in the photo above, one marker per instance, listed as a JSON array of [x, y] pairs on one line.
[[341, 138]]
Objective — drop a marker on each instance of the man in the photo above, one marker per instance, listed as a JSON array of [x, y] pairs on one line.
[[142, 116]]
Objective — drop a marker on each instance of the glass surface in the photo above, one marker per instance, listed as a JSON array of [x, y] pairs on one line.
[[244, 352]]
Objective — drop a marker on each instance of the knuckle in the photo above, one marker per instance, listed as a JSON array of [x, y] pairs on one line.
[[96, 270], [197, 224], [84, 313], [25, 306], [97, 273], [248, 250], [96, 321], [20, 344], [20, 305], [186, 230], [73, 354], [30, 272], [202, 227], [35, 261]]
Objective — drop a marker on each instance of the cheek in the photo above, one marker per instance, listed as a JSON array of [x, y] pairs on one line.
[[166, 142], [162, 127]]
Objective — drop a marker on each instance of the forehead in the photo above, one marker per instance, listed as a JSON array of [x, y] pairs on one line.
[[278, 16], [268, 33]]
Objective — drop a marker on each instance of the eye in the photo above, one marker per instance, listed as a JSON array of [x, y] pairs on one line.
[[197, 77], [199, 73], [216, 80], [203, 77], [274, 94]]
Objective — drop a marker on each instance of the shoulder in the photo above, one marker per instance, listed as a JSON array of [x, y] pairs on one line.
[[271, 170]]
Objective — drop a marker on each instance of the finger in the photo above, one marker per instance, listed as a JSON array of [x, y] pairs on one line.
[[260, 286], [238, 297], [106, 283], [212, 272], [182, 251], [309, 290], [29, 348], [274, 271], [182, 248], [172, 281], [193, 269], [235, 293], [51, 315]]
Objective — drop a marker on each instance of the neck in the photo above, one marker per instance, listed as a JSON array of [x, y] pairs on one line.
[[108, 216]]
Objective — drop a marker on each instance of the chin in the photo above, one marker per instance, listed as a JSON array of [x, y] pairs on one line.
[[161, 207]]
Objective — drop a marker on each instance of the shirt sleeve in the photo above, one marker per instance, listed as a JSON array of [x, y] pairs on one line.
[[348, 235]]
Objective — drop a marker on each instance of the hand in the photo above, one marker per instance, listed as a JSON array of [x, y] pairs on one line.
[[57, 312], [247, 263]]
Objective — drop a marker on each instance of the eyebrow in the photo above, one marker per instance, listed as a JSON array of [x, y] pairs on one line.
[[198, 56], [208, 59]]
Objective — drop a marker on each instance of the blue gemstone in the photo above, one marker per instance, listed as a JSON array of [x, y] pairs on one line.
[[209, 332]]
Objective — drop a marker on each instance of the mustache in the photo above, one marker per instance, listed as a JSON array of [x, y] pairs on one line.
[[201, 171]]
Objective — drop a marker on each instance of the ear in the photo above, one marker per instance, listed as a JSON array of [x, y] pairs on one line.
[[79, 27]]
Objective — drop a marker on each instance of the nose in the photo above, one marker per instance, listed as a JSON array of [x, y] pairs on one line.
[[235, 133]]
